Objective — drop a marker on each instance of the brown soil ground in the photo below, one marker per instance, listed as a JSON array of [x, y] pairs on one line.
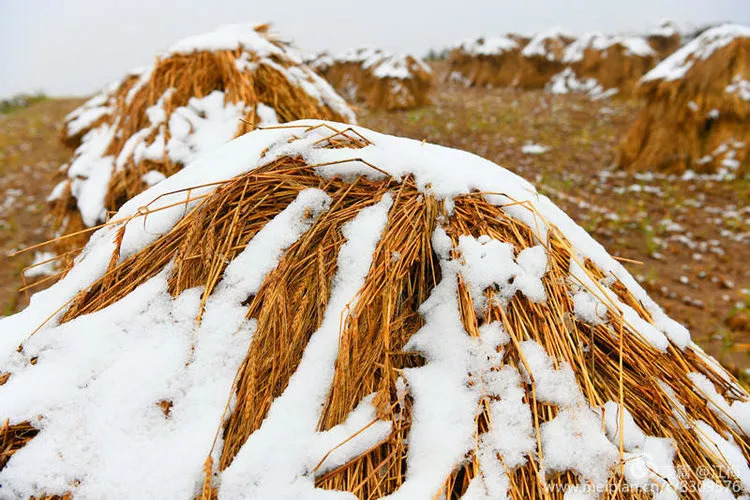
[[692, 238]]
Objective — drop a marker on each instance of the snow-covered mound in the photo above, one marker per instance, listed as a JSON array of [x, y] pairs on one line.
[[202, 92], [486, 61], [317, 310], [380, 79], [697, 105]]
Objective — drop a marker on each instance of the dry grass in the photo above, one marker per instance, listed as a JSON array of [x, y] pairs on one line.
[[188, 76], [677, 127], [611, 361]]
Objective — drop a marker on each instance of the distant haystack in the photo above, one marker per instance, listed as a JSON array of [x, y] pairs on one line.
[[378, 79], [486, 62], [697, 111], [339, 313], [203, 92], [602, 65], [346, 71], [665, 39], [398, 82], [542, 58]]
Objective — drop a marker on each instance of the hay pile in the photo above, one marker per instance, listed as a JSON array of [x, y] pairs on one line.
[[378, 79], [665, 39], [204, 91], [542, 58], [697, 108], [603, 65], [316, 308], [484, 62]]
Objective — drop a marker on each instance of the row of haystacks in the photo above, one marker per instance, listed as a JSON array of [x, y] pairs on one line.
[[376, 78], [204, 91], [594, 62], [697, 108], [329, 314]]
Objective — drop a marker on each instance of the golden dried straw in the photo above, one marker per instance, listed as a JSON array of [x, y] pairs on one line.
[[611, 361]]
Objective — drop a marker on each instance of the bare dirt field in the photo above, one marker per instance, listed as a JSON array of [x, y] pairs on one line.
[[691, 238]]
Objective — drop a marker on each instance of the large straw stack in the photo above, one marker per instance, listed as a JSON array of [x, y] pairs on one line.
[[697, 108], [492, 62], [665, 39], [378, 79], [319, 307], [201, 93], [614, 64], [542, 58]]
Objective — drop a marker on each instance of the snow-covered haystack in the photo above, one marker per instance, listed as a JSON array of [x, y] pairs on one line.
[[665, 39], [398, 82], [379, 79], [492, 61], [204, 91], [542, 58], [320, 307], [697, 108], [603, 65]]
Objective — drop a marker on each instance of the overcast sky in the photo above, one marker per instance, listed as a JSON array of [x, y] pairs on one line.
[[74, 47]]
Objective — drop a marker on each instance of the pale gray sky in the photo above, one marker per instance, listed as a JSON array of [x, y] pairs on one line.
[[74, 47]]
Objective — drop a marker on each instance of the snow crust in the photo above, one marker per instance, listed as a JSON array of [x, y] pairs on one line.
[[537, 46], [632, 45], [488, 46], [566, 82], [702, 47]]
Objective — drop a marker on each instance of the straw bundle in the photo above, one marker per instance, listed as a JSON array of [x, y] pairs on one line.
[[328, 308], [378, 79], [697, 108], [204, 91], [541, 58], [665, 39], [486, 62], [614, 64]]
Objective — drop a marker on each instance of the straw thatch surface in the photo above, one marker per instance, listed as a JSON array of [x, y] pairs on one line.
[[204, 91], [488, 339], [378, 79], [542, 58], [483, 62], [697, 108]]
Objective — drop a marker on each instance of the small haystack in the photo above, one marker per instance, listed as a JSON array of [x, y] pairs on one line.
[[542, 58], [398, 82], [602, 65], [665, 39], [204, 91], [378, 79], [484, 62], [315, 309], [697, 108]]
